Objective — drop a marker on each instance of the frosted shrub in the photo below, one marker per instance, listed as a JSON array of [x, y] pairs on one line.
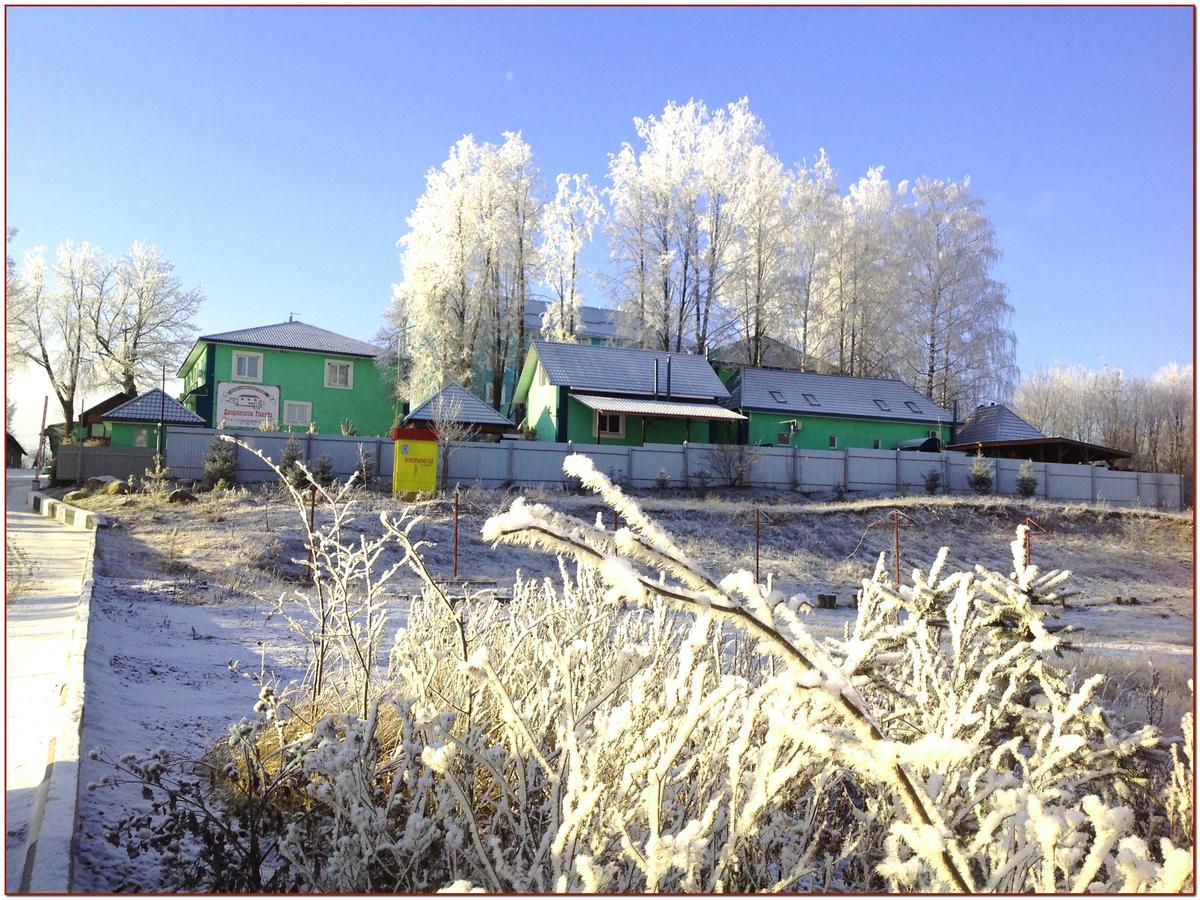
[[645, 725]]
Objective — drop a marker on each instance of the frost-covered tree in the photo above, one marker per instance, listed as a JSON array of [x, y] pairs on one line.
[[145, 322], [956, 316], [568, 223], [761, 278], [48, 321], [1148, 417], [468, 257], [813, 210], [676, 205], [860, 311]]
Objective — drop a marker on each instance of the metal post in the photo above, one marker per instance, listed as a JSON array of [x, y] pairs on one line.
[[896, 531], [312, 519], [37, 457], [456, 500], [162, 403], [757, 541]]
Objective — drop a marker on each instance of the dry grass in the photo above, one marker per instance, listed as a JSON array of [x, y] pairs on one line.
[[1141, 692]]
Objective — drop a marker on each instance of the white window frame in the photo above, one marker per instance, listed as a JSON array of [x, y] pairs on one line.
[[876, 444], [244, 354], [833, 442], [307, 412], [349, 385], [620, 433]]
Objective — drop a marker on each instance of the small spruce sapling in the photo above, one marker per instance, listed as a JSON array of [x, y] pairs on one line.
[[322, 471], [1026, 480], [662, 480], [933, 481], [219, 464], [289, 465], [979, 476]]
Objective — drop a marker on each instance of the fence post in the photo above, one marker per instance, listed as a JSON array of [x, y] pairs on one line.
[[945, 473], [685, 464], [378, 455], [1093, 468], [629, 466], [1139, 488], [897, 470], [79, 464], [846, 470], [1046, 479], [508, 467]]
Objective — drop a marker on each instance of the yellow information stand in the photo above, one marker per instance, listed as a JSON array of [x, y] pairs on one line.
[[414, 466]]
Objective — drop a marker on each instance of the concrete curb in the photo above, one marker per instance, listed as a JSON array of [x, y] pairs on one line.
[[50, 854], [71, 516]]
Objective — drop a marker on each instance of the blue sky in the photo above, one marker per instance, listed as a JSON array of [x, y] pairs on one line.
[[275, 153]]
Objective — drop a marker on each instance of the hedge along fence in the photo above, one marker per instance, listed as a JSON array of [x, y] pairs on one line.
[[858, 471]]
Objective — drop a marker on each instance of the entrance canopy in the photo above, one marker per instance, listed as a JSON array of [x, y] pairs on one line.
[[662, 409]]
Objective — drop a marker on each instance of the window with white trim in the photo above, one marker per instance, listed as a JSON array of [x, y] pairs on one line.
[[247, 366], [876, 444], [610, 425], [833, 442], [297, 412], [339, 374]]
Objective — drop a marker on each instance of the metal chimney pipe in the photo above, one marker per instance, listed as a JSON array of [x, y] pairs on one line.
[[668, 376]]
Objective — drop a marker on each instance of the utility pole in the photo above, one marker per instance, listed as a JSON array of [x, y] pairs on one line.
[[162, 404]]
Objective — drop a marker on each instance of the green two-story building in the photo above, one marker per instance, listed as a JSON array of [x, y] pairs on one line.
[[294, 375], [832, 412]]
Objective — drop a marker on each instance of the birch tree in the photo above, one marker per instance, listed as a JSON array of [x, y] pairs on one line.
[[814, 207], [568, 223], [49, 321], [959, 343], [145, 321], [469, 258], [760, 279]]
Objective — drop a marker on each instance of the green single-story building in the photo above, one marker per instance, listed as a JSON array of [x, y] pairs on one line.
[[617, 395], [832, 412], [293, 374], [135, 422]]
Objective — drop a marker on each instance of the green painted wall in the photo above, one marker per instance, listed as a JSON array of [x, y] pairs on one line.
[[542, 408], [581, 421], [300, 375], [857, 433], [124, 434]]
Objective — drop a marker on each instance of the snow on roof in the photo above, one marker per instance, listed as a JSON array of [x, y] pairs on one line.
[[148, 407], [473, 412], [623, 370], [833, 395], [295, 336], [995, 422]]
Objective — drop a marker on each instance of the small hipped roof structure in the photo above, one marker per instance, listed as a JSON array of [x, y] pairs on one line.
[[995, 430], [470, 411], [152, 406]]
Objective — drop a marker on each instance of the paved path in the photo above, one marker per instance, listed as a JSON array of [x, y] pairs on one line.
[[46, 562]]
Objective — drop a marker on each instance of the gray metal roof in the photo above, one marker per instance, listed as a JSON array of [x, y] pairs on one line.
[[775, 390], [661, 408], [147, 407], [594, 321], [622, 370], [473, 412], [995, 422], [295, 336]]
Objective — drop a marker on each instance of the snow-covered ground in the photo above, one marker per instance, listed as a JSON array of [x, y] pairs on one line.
[[182, 590], [46, 563]]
